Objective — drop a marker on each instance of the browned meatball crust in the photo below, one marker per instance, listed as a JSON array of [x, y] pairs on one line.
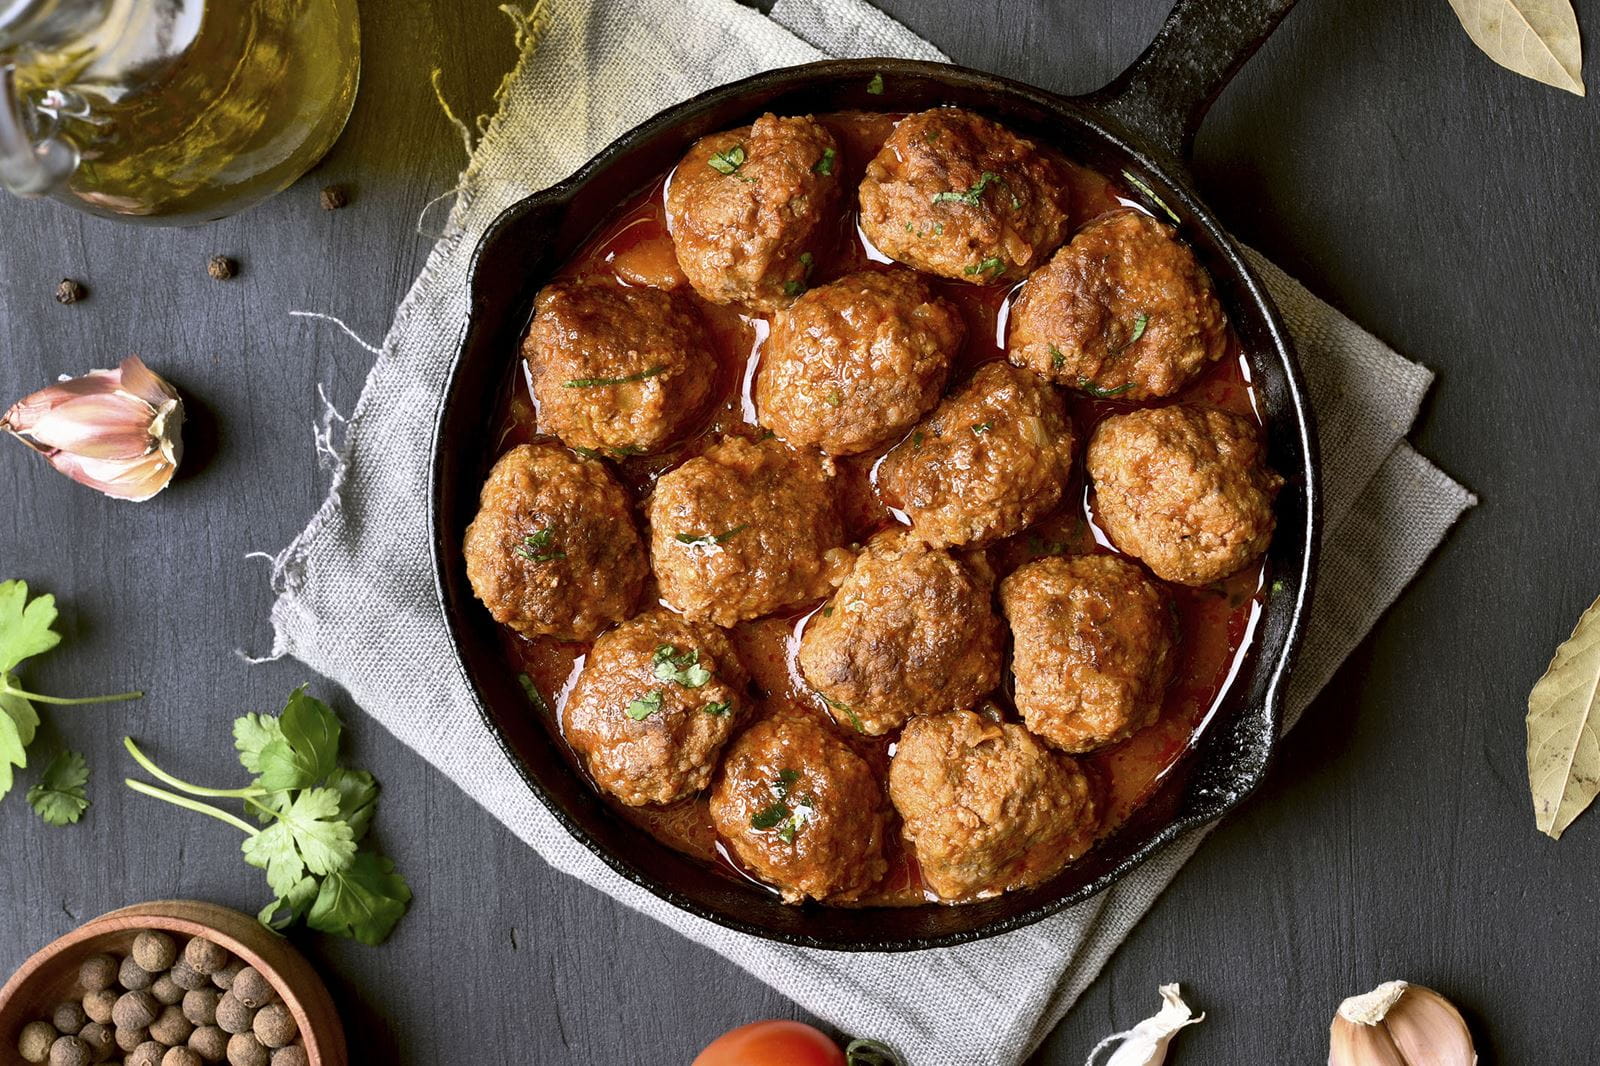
[[991, 460], [853, 364], [912, 630], [801, 810], [1184, 488], [617, 367], [751, 209], [744, 530], [1092, 649], [986, 806], [1124, 310], [553, 550], [955, 194], [655, 702]]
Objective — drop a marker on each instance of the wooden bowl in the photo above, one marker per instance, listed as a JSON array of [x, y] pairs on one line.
[[50, 976]]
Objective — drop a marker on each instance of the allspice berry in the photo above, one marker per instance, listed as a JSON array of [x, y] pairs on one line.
[[69, 1017], [167, 991], [293, 1055], [334, 197], [98, 1037], [133, 977], [252, 989], [171, 1027], [154, 951], [204, 956], [128, 1040], [180, 1056], [148, 1053], [200, 1006], [69, 291], [97, 972], [274, 1026], [97, 1005], [233, 1016], [135, 1010], [70, 1051], [33, 1043], [245, 1050], [185, 976], [210, 1043], [223, 978], [221, 268]]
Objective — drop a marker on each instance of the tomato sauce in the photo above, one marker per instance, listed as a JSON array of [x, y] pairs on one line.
[[1216, 622]]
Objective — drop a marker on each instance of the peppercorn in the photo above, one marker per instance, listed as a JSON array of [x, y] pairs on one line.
[[185, 976], [203, 955], [210, 1043], [129, 1039], [135, 1010], [245, 1050], [221, 268], [133, 977], [97, 1005], [97, 973], [180, 1056], [232, 1015], [146, 1054], [70, 1051], [171, 1027], [98, 1037], [293, 1055], [252, 989], [33, 1043], [223, 978], [274, 1026], [200, 1006], [69, 291], [154, 951], [167, 991], [69, 1017], [334, 197]]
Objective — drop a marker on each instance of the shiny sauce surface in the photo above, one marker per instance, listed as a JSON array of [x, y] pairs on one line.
[[1217, 622]]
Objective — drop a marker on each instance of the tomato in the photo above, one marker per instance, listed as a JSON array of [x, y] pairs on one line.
[[772, 1044]]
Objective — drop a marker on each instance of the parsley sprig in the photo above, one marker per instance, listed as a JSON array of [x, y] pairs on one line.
[[684, 667], [59, 797], [313, 815], [27, 629]]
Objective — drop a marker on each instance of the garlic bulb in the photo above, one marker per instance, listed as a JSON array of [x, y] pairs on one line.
[[1400, 1024], [118, 431], [1146, 1043]]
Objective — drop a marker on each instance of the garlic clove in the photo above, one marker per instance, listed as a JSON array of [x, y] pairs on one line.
[[1399, 1024], [1146, 1043], [1359, 1044]]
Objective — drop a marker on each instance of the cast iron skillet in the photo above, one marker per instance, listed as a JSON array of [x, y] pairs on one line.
[[1142, 124]]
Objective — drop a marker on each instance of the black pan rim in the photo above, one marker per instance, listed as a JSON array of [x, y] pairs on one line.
[[1298, 406]]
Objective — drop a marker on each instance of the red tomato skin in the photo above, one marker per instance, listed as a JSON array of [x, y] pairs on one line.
[[773, 1043]]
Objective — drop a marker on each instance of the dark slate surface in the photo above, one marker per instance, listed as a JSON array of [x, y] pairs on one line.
[[1370, 149]]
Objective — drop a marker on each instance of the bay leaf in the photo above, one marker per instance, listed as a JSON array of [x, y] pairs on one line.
[[1564, 729], [1535, 38]]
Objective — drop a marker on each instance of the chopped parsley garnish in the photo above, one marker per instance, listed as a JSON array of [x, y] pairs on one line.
[[803, 812], [1085, 385], [590, 383], [1278, 585], [707, 539], [992, 264], [616, 453], [769, 816], [531, 690], [786, 780], [875, 86], [779, 815], [1139, 324], [728, 160], [916, 440], [684, 667], [1039, 546], [974, 195], [535, 547], [719, 709], [644, 706], [855, 719], [792, 289], [807, 261], [1057, 360], [980, 428], [932, 135], [797, 286], [834, 398], [825, 164]]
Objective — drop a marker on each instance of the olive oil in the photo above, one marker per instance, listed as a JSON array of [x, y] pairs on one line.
[[182, 111]]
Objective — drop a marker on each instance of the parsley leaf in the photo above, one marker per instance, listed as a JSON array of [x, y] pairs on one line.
[[59, 796], [358, 799], [363, 901], [535, 547], [590, 383], [718, 709], [684, 667], [980, 428], [644, 706], [974, 194], [305, 750], [1085, 385], [308, 835], [535, 697], [1139, 324], [297, 900], [875, 86], [825, 164], [251, 734], [769, 816], [706, 539], [992, 264], [855, 719], [1057, 360], [728, 160], [25, 628]]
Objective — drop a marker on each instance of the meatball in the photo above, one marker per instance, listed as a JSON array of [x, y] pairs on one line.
[[1124, 310], [801, 810], [616, 367], [954, 194], [912, 630], [991, 460], [1092, 649], [750, 210], [744, 530], [553, 550], [853, 364], [655, 702], [986, 806], [1184, 488]]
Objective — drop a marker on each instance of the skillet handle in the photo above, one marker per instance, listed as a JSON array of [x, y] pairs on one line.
[[1170, 87]]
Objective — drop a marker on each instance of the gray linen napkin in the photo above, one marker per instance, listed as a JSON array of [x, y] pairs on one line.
[[355, 597]]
